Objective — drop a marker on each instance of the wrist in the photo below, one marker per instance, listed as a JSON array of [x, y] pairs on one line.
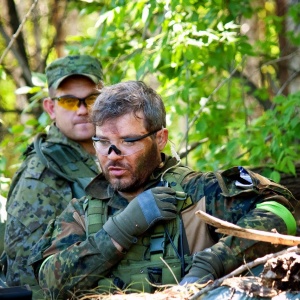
[[117, 235], [117, 245]]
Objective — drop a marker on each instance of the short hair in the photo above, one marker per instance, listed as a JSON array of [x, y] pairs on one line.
[[129, 97]]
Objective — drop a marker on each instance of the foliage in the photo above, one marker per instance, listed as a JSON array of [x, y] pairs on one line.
[[270, 140], [196, 55], [193, 52]]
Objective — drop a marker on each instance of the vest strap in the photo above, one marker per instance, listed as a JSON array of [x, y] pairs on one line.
[[68, 163], [96, 215]]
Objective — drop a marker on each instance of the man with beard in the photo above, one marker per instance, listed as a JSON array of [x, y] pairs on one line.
[[136, 229], [57, 167]]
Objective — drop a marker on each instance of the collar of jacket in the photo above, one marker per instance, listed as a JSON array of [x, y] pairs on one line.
[[55, 136], [101, 189]]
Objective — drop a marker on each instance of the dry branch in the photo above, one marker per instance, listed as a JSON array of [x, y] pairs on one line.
[[252, 234], [241, 269], [15, 35]]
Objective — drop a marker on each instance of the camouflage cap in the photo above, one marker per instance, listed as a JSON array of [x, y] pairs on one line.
[[64, 67]]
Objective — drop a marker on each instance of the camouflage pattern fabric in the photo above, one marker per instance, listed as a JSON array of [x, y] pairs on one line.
[[63, 67], [65, 260], [38, 196]]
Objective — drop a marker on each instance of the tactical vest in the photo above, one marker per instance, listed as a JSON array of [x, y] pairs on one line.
[[160, 257], [142, 268]]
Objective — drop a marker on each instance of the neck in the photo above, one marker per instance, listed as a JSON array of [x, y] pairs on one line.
[[88, 147], [130, 196]]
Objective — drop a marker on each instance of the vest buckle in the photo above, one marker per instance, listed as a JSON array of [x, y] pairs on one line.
[[157, 244]]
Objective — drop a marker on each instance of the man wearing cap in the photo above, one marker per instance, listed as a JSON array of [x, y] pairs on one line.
[[57, 167]]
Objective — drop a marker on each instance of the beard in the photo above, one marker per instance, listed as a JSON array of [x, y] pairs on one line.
[[145, 164]]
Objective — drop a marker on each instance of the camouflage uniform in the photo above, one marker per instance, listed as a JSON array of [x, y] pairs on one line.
[[38, 196], [68, 259]]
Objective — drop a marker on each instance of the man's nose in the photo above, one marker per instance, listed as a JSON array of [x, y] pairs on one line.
[[115, 149], [114, 153], [82, 107], [81, 102]]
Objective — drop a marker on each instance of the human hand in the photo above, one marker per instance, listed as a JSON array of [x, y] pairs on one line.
[[145, 210], [206, 266]]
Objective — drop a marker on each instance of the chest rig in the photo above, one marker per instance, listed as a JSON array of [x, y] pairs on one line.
[[159, 257]]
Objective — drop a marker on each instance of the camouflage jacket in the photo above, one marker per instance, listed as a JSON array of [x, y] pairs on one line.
[[38, 196], [67, 260]]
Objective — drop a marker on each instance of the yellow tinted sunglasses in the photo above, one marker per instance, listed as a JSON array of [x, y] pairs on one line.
[[71, 102]]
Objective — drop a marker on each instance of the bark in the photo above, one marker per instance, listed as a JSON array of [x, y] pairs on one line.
[[20, 51], [283, 72], [282, 273]]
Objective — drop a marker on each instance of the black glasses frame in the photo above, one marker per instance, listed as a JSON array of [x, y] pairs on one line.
[[133, 139], [113, 147]]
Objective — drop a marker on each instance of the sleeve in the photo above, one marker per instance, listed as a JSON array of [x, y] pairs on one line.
[[35, 199], [65, 260], [231, 252], [233, 199]]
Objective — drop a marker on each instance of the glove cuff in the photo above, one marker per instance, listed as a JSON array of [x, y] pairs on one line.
[[122, 238], [225, 256], [206, 263]]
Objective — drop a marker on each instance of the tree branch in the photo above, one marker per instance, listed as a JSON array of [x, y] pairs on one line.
[[21, 59], [246, 233], [242, 269], [192, 147]]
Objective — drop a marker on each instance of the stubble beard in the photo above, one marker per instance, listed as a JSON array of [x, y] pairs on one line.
[[146, 164]]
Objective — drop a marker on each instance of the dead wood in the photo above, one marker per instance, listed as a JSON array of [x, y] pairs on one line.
[[252, 234], [241, 269], [282, 273]]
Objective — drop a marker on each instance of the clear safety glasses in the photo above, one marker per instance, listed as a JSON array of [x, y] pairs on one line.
[[124, 147], [70, 102]]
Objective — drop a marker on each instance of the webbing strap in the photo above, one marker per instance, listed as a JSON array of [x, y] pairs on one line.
[[95, 215], [68, 165], [174, 179], [282, 212], [38, 148]]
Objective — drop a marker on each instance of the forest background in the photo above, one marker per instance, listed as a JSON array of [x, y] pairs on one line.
[[228, 72]]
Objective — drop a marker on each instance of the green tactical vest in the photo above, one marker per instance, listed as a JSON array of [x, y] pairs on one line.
[[160, 257]]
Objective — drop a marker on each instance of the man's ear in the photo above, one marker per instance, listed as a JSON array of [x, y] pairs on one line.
[[162, 138], [48, 105]]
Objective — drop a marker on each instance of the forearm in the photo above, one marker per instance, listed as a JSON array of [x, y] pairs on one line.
[[233, 251], [246, 249], [78, 267], [230, 252]]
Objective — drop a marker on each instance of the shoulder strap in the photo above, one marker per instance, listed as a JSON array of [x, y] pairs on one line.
[[68, 164], [38, 140], [174, 179], [96, 214]]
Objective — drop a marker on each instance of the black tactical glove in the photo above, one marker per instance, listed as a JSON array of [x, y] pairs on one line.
[[141, 213], [206, 266]]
